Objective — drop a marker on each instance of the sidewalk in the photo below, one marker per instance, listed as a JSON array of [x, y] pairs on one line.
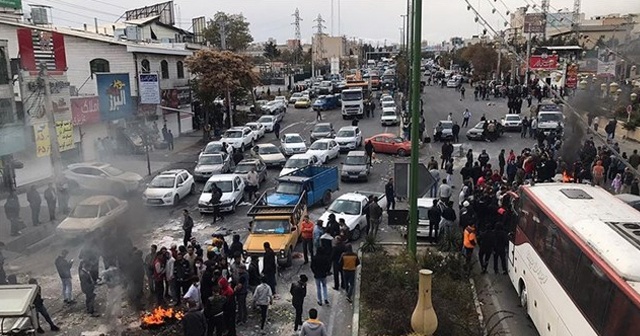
[[185, 147]]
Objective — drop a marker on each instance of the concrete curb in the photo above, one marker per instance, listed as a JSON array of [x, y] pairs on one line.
[[476, 302], [355, 322]]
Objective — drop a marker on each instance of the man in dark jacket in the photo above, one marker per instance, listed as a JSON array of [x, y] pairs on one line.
[[187, 226], [487, 241], [336, 253], [321, 266], [12, 212], [446, 152], [501, 162], [270, 266], [500, 248], [88, 286], [50, 197], [240, 291], [182, 275], [216, 194], [390, 194], [368, 148], [35, 202], [298, 293], [38, 302], [333, 227], [375, 214], [214, 311], [434, 220], [194, 322], [483, 158], [455, 130], [236, 245], [64, 271]]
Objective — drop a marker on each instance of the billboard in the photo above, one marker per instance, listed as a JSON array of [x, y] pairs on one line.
[[32, 88], [85, 110], [64, 130], [13, 4], [571, 80], [176, 98], [606, 69], [543, 62], [149, 89], [164, 10], [534, 23], [199, 25], [114, 94], [40, 46]]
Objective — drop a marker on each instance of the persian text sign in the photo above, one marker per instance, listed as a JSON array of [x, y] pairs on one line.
[[64, 129], [85, 110], [114, 92], [572, 76], [149, 89], [33, 97], [14, 4], [542, 62], [606, 69]]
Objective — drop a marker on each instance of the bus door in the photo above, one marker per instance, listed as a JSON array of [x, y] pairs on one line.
[[512, 224]]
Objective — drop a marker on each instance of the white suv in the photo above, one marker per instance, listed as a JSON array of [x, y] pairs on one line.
[[239, 137], [293, 143], [348, 138]]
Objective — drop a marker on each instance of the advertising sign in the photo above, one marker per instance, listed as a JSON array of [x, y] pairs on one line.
[[543, 62], [14, 4], [606, 69], [33, 97], [176, 98], [534, 23], [114, 92], [572, 76], [39, 46], [64, 129], [85, 110], [149, 89]]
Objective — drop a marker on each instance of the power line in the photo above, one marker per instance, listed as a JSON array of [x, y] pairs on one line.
[[74, 6]]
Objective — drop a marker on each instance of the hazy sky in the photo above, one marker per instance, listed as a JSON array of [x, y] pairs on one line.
[[377, 20]]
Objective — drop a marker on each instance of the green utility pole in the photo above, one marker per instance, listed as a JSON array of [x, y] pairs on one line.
[[416, 35]]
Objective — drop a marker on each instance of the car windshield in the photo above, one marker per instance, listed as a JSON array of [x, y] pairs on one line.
[[346, 207], [388, 104], [296, 163], [210, 160], [351, 96], [265, 119], [296, 95], [319, 145], [513, 118], [346, 134], [447, 125], [225, 186], [289, 188], [244, 168], [322, 129], [232, 134], [162, 182], [479, 125], [292, 139], [303, 99], [268, 150], [213, 148], [85, 211], [320, 101], [253, 126], [355, 160], [423, 213], [113, 171], [274, 226], [389, 113], [546, 117]]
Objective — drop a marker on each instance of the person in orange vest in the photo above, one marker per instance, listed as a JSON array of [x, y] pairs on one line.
[[307, 238], [469, 241]]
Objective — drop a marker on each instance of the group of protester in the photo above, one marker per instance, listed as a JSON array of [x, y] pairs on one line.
[[57, 199]]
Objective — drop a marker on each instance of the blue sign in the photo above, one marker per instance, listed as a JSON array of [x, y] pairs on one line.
[[114, 93]]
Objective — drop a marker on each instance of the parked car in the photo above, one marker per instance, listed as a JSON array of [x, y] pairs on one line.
[[389, 118], [293, 143], [511, 122], [386, 98], [298, 161], [258, 130], [355, 167], [169, 187], [232, 187], [322, 130], [349, 138], [324, 150], [283, 99], [294, 97], [447, 131], [92, 214], [390, 144], [274, 107], [238, 137], [244, 167], [213, 147], [476, 132], [389, 105], [303, 102], [101, 177], [353, 207], [270, 154], [451, 83], [268, 122], [212, 164]]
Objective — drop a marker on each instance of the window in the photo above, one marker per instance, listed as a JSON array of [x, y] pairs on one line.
[[146, 66], [164, 69], [104, 209], [99, 65], [591, 292], [180, 68], [113, 204]]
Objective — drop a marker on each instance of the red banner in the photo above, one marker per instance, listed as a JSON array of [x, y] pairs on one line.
[[543, 62], [36, 46], [85, 110], [572, 76]]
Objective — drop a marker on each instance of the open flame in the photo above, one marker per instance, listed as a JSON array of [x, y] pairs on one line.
[[160, 316]]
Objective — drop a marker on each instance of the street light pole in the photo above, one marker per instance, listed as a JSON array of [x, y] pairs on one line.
[[415, 122]]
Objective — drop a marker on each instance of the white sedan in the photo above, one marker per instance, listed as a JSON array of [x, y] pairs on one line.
[[271, 155], [102, 177], [324, 150], [91, 214], [169, 187], [257, 129], [232, 187], [293, 143], [268, 121]]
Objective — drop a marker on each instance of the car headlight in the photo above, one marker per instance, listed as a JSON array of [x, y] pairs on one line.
[[167, 194]]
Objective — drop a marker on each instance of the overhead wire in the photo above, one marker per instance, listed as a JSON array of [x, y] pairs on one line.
[[495, 10], [74, 6]]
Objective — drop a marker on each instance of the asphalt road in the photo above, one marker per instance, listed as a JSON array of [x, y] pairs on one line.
[[162, 226]]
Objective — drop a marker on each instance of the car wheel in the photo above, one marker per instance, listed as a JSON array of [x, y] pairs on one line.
[[176, 200], [192, 190], [326, 198], [355, 233], [402, 152]]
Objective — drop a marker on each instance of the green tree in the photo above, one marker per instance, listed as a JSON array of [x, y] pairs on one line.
[[217, 72], [271, 51], [236, 29], [483, 58]]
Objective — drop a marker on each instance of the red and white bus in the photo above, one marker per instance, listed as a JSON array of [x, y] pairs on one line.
[[574, 259]]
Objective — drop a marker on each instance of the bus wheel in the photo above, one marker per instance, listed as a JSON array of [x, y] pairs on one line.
[[524, 298]]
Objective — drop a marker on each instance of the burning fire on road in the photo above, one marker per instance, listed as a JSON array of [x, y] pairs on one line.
[[160, 317]]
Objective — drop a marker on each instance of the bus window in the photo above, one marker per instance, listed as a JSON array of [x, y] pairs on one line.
[[591, 291], [623, 317]]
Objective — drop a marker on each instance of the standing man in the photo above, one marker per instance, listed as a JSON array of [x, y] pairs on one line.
[[435, 174], [533, 127], [35, 202], [276, 130], [38, 302], [501, 162], [434, 216], [148, 267], [447, 151], [193, 322], [483, 158], [313, 326], [307, 238], [270, 266], [368, 148], [63, 266], [444, 191], [252, 184], [375, 212], [465, 118], [500, 248], [469, 241], [216, 194], [187, 226], [455, 131], [298, 293], [318, 115], [349, 262], [170, 139], [88, 286], [390, 194], [12, 212], [63, 199], [240, 291], [634, 159], [462, 89], [262, 298], [50, 197]]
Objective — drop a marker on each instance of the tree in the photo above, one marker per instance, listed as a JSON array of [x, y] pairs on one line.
[[483, 58], [271, 51], [237, 31], [217, 72]]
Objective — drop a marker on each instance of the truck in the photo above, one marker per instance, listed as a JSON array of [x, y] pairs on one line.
[[352, 103], [279, 225], [550, 118], [328, 102], [315, 182], [353, 208]]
